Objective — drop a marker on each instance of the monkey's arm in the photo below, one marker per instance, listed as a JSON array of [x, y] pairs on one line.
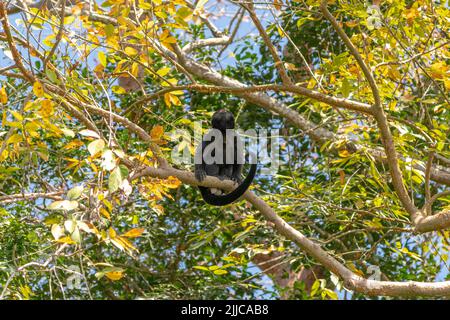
[[237, 171]]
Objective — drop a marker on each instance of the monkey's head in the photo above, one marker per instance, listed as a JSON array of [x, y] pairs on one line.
[[222, 119]]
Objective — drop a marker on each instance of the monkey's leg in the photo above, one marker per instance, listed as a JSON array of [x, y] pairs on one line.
[[227, 172], [237, 171]]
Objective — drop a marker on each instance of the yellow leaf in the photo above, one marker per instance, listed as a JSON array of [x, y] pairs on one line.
[[38, 90], [344, 153], [122, 21], [118, 90], [171, 182], [3, 95], [31, 128], [438, 70], [145, 5], [99, 70], [352, 267], [114, 275], [342, 176], [157, 132], [105, 213], [46, 108], [73, 144], [220, 272], [135, 69], [112, 233], [102, 58], [131, 51], [174, 100], [76, 9], [134, 233], [48, 41], [69, 19], [447, 84], [163, 71], [352, 23], [26, 292], [29, 105], [15, 138], [169, 82], [166, 38], [125, 244], [277, 4], [167, 99], [17, 115], [66, 239], [411, 14]]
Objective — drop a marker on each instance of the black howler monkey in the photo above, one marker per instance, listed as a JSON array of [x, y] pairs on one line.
[[219, 158]]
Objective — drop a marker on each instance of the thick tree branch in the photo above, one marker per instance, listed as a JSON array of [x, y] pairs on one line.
[[55, 195], [351, 280], [12, 45], [59, 35], [367, 73], [383, 125], [278, 63], [318, 134], [205, 43]]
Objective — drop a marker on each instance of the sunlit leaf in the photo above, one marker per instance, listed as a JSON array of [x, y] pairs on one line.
[[133, 233], [89, 133], [75, 193], [63, 205], [38, 89], [96, 146]]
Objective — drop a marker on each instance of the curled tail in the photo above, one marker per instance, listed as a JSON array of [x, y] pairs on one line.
[[228, 198]]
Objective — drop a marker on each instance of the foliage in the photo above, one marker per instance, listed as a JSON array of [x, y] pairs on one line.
[[91, 99]]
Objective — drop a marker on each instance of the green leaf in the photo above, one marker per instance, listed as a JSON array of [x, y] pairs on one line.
[[115, 179], [109, 30], [51, 75], [346, 87], [75, 193]]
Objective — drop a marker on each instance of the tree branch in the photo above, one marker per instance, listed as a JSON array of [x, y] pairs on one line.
[[55, 195], [205, 43], [351, 280]]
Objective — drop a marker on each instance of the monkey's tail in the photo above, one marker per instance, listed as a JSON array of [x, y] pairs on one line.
[[228, 198]]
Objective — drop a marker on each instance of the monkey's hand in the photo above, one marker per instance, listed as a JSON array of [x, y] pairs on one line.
[[200, 174]]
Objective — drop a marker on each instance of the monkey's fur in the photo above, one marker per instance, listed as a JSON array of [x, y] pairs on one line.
[[222, 120]]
